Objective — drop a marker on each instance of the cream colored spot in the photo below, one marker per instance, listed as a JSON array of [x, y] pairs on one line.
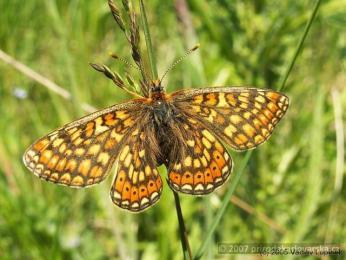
[[206, 154], [144, 201], [260, 99], [68, 152], [125, 203], [186, 187], [124, 152], [72, 130], [208, 135], [135, 132], [141, 176], [94, 149], [79, 151], [222, 101], [225, 169], [226, 156], [204, 161], [147, 170], [135, 205], [212, 116], [142, 153], [177, 166], [36, 158], [235, 119], [76, 134], [58, 142], [199, 187], [115, 135], [128, 160], [39, 168], [155, 172], [196, 163], [116, 195], [84, 167], [62, 148], [78, 181], [198, 99], [191, 143], [188, 161], [154, 195], [230, 130], [210, 186], [103, 158], [249, 130], [66, 178], [131, 168], [217, 180], [265, 132], [247, 115], [243, 105], [121, 114], [31, 153], [206, 143], [78, 141], [259, 139], [135, 177]]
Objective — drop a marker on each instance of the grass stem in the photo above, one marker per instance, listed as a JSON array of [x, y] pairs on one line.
[[183, 233]]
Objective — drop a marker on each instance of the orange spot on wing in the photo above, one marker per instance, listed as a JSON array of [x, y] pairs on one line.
[[208, 177], [61, 164], [134, 194], [110, 143], [41, 144], [96, 171], [219, 159], [198, 178], [151, 186], [119, 183], [187, 178], [215, 170], [143, 192], [109, 119], [175, 177], [126, 192]]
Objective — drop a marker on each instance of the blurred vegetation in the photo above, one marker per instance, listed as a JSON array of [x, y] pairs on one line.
[[294, 183]]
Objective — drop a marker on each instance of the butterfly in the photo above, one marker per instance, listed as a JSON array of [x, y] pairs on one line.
[[186, 131]]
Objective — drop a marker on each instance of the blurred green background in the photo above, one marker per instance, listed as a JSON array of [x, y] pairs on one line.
[[293, 187]]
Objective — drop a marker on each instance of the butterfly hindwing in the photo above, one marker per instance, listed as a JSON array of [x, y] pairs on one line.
[[81, 153], [137, 184], [242, 117], [201, 164]]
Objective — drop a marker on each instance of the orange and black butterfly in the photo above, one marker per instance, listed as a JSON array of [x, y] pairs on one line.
[[186, 131]]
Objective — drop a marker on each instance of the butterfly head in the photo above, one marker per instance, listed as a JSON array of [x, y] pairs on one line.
[[156, 89]]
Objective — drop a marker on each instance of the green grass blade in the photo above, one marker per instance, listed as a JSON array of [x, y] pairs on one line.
[[148, 41], [300, 44]]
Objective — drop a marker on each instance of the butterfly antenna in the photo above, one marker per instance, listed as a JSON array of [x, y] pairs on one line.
[[175, 63], [116, 57]]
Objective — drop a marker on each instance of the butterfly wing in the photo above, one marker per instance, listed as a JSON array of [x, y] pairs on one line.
[[81, 153], [199, 163], [137, 184], [242, 117]]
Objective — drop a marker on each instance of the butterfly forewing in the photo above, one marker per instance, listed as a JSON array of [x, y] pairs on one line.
[[242, 117], [80, 153]]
